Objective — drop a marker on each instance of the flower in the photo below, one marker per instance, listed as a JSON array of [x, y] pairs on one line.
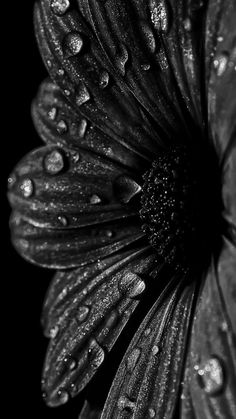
[[132, 200]]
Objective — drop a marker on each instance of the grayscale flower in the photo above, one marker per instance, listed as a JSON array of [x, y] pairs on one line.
[[132, 200]]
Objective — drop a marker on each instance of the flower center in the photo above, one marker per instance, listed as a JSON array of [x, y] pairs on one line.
[[181, 208]]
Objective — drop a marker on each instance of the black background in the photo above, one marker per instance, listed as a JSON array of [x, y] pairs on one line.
[[22, 339]]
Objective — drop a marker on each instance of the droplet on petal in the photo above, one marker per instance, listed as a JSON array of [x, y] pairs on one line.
[[54, 332], [62, 220], [124, 403], [148, 37], [95, 199], [60, 72], [155, 350], [54, 162], [220, 63], [96, 353], [187, 24], [60, 7], [73, 44], [82, 95], [82, 128], [82, 314], [63, 396], [52, 113], [211, 376], [104, 79], [132, 285], [151, 413], [62, 127], [27, 188], [11, 181]]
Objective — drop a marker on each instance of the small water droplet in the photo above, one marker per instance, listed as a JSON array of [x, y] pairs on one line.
[[109, 233], [49, 63], [82, 314], [75, 157], [54, 162], [11, 181], [73, 44], [187, 24], [63, 396], [224, 327], [104, 79], [124, 403], [133, 359], [62, 127], [147, 332], [59, 7], [52, 113], [82, 128], [95, 199], [220, 38], [125, 188], [27, 188], [159, 15], [155, 350], [82, 95], [72, 364], [145, 66], [63, 220], [67, 92], [211, 376], [54, 332], [151, 413], [132, 285], [60, 72], [220, 63], [96, 353]]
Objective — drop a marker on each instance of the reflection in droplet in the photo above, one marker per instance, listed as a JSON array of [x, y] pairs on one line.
[[133, 359], [132, 285], [104, 79], [82, 313], [54, 162], [159, 15], [82, 95], [62, 127], [125, 188], [52, 113], [95, 199], [27, 188], [96, 353], [72, 44], [59, 7], [220, 63], [211, 376], [124, 403]]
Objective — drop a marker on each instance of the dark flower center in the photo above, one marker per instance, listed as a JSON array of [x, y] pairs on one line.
[[181, 207]]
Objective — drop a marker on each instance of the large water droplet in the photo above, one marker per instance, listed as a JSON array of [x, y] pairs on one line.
[[133, 359], [159, 15], [59, 7], [72, 44], [132, 285], [54, 332], [62, 127], [104, 79], [82, 95], [211, 376], [82, 314], [52, 113], [124, 403], [220, 63], [148, 37], [125, 188], [27, 188], [95, 200], [54, 162], [96, 353]]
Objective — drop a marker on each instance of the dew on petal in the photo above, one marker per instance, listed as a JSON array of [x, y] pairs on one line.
[[49, 63], [96, 353], [151, 413], [63, 396], [72, 364], [60, 7], [155, 350], [104, 79], [124, 403], [60, 72], [63, 220], [220, 63], [211, 376], [82, 95], [54, 162], [62, 127], [73, 44], [122, 58], [132, 285], [54, 332], [82, 128], [95, 199], [187, 24], [27, 188], [11, 181], [82, 313], [133, 359], [52, 113], [145, 66]]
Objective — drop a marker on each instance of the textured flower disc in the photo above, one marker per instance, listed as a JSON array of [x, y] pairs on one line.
[[132, 199]]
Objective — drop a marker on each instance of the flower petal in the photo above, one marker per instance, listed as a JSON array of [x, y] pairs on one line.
[[88, 412], [148, 379], [229, 190], [69, 208], [85, 312], [210, 381]]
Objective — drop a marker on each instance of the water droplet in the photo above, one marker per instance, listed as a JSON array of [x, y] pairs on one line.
[[67, 92], [27, 188], [54, 162], [220, 63], [145, 66], [187, 24], [63, 220], [75, 156], [59, 7], [95, 199], [109, 233], [159, 15], [104, 79], [133, 359], [62, 127], [82, 314], [60, 72], [96, 353], [54, 332], [82, 94], [124, 403], [11, 181], [132, 285], [72, 44], [220, 39], [147, 332], [49, 63], [122, 58], [224, 326], [151, 413], [148, 37], [82, 128], [211, 376], [72, 364], [125, 188], [52, 113], [111, 319], [155, 350], [63, 396]]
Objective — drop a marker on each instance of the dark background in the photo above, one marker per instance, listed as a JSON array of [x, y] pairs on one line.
[[22, 339]]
